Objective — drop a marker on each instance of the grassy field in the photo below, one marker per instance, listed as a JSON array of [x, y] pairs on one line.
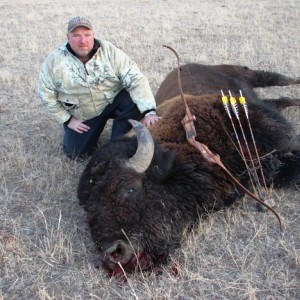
[[45, 247]]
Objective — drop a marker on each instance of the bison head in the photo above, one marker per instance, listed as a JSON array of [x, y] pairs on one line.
[[124, 201]]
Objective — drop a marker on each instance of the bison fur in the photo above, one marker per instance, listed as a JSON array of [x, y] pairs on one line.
[[137, 216]]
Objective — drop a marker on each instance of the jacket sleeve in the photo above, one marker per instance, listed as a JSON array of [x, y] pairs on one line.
[[48, 92], [132, 80]]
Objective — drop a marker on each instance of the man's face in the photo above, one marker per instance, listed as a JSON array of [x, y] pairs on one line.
[[81, 40]]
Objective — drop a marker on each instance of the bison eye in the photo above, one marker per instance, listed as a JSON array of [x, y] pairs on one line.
[[130, 190]]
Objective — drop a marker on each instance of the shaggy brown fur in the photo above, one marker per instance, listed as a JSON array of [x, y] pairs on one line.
[[200, 79], [137, 219]]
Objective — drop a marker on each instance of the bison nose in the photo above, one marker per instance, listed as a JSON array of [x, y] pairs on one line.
[[120, 251]]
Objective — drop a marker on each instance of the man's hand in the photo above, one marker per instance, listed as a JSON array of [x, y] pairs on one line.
[[77, 125], [150, 120]]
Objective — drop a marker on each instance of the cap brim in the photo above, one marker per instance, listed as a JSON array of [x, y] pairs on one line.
[[71, 29]]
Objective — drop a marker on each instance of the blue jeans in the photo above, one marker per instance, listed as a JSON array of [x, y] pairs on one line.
[[84, 144]]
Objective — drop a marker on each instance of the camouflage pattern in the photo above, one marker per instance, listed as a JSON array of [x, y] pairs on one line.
[[68, 87]]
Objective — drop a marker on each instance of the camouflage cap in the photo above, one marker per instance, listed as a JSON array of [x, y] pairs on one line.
[[79, 21]]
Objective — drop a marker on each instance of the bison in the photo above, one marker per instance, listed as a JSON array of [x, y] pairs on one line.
[[141, 192]]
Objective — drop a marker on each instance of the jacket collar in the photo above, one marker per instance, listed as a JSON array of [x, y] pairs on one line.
[[92, 52]]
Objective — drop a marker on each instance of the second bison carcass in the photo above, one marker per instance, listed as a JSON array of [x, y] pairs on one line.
[[140, 193]]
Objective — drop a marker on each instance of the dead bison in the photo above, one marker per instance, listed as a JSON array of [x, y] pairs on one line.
[[139, 195]]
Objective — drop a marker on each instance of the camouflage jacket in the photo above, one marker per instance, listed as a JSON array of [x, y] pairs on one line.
[[67, 87]]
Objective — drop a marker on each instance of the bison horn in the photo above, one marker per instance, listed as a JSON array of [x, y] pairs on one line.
[[141, 160]]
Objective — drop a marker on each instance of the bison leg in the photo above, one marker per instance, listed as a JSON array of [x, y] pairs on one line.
[[289, 173], [291, 145], [265, 78], [282, 103]]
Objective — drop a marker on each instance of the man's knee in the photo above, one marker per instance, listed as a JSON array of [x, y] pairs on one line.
[[76, 145]]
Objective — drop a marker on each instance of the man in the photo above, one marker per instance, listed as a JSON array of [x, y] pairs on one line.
[[87, 81]]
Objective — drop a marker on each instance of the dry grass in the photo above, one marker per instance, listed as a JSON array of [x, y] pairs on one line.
[[45, 248]]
